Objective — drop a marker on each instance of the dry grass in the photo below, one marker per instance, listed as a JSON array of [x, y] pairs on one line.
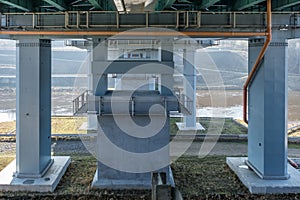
[[212, 126], [5, 160], [67, 124], [240, 121], [63, 125], [8, 127], [292, 133]]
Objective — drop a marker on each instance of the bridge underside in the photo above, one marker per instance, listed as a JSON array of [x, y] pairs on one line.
[[35, 22], [144, 5], [104, 24]]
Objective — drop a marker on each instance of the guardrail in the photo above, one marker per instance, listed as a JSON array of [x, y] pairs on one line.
[[79, 102], [186, 104], [117, 20], [136, 105]]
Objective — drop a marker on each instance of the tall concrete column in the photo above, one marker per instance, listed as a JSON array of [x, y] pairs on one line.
[[33, 107], [189, 72], [99, 54], [98, 83], [34, 169], [189, 87], [166, 80], [91, 113], [267, 132]]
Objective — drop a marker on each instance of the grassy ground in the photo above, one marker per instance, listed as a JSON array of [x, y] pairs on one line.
[[5, 160], [205, 178], [212, 126], [58, 125], [76, 184], [72, 124]]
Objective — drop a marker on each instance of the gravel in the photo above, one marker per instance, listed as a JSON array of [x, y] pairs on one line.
[[210, 148], [7, 147]]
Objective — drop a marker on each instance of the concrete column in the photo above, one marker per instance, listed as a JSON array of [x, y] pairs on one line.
[[152, 82], [34, 169], [189, 72], [98, 83], [90, 75], [99, 53], [167, 80], [267, 132], [33, 107], [91, 113]]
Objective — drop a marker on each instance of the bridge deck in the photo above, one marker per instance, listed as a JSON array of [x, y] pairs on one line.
[[106, 23]]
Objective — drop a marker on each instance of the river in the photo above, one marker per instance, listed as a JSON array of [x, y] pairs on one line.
[[229, 105]]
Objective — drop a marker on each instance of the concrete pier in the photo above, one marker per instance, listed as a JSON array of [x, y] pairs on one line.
[[33, 139]]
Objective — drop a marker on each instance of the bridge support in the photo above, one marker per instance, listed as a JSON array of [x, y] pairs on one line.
[[133, 125], [98, 85], [190, 79], [267, 135], [267, 130], [32, 169]]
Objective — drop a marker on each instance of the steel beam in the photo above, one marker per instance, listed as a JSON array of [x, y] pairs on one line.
[[103, 4], [162, 4], [59, 4], [280, 5], [21, 5], [208, 3], [243, 4]]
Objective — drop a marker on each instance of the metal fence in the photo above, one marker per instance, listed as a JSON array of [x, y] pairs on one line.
[[185, 103], [134, 106], [79, 102]]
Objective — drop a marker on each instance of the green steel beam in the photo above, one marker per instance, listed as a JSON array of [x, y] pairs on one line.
[[19, 4], [103, 4], [169, 3], [280, 5], [243, 4], [162, 4], [59, 4], [208, 3]]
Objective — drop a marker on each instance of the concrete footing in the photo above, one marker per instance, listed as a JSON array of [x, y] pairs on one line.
[[256, 185], [181, 126], [85, 127], [121, 183], [47, 183], [92, 122]]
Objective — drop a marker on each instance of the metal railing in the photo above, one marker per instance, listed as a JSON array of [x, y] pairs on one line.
[[186, 103], [79, 102], [135, 106], [118, 20]]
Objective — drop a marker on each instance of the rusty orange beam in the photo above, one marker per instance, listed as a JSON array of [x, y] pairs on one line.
[[256, 65], [135, 33]]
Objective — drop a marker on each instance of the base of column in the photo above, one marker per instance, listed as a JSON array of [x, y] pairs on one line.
[[256, 185], [47, 183], [264, 176], [92, 122], [182, 127], [21, 175], [120, 182]]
